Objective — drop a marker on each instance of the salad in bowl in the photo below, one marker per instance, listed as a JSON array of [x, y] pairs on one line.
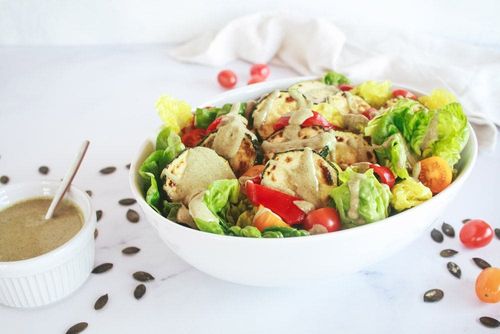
[[319, 156]]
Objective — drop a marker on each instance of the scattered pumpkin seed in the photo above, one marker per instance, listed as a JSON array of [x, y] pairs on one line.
[[489, 322], [101, 302], [448, 230], [481, 263], [89, 192], [448, 252], [96, 233], [102, 268], [465, 220], [143, 276], [497, 232], [131, 250], [454, 269], [98, 214], [436, 235], [433, 295], [44, 170], [107, 170], [127, 201], [139, 291], [4, 179], [132, 216], [127, 166], [78, 328]]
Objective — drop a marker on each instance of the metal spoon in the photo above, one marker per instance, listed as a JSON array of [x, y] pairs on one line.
[[66, 182]]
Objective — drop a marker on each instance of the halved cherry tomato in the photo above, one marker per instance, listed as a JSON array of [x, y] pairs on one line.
[[254, 173], [227, 78], [370, 113], [326, 217], [384, 174], [488, 285], [435, 173], [276, 201], [476, 233], [403, 93], [214, 125], [255, 79], [315, 119], [345, 87], [193, 137], [261, 70], [265, 218]]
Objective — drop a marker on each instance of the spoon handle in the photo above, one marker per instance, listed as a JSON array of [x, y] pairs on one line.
[[68, 178]]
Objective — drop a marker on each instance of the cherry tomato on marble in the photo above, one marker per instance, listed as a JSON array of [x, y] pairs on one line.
[[227, 79], [260, 70], [488, 285], [326, 217], [255, 79], [476, 233]]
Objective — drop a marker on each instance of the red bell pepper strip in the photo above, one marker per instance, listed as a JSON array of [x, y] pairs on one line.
[[276, 201], [193, 137], [315, 119]]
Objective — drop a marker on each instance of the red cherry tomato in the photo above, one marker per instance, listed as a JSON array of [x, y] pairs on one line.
[[214, 125], [345, 87], [260, 70], [403, 93], [326, 217], [315, 119], [227, 79], [476, 233], [193, 137], [255, 79], [370, 113], [384, 174]]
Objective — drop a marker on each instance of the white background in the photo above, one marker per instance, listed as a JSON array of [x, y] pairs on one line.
[[76, 22]]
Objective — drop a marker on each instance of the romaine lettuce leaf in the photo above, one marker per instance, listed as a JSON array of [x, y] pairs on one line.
[[204, 116], [361, 199], [334, 78], [220, 194], [409, 193], [373, 92], [393, 153], [176, 114], [437, 99]]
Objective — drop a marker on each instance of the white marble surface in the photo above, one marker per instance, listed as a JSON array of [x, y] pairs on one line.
[[52, 98]]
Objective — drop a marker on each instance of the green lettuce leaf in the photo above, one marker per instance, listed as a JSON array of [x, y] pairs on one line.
[[220, 194], [371, 196], [373, 92], [409, 193], [204, 116], [334, 78], [393, 153], [208, 226], [452, 134]]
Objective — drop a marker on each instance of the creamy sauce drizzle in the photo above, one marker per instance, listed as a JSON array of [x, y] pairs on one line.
[[260, 114], [305, 206], [353, 185], [307, 184], [230, 133]]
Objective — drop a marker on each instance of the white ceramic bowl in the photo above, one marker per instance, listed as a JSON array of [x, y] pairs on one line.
[[52, 276], [292, 261]]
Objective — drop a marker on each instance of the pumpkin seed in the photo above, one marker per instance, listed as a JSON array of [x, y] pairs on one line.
[[448, 252], [489, 322], [107, 170], [127, 166], [98, 214], [454, 269], [96, 233], [78, 328], [101, 302], [433, 295], [139, 291], [448, 230], [44, 170], [465, 220], [481, 263], [89, 192], [127, 201], [436, 235], [143, 276], [497, 232], [131, 250], [102, 268], [132, 216], [4, 179]]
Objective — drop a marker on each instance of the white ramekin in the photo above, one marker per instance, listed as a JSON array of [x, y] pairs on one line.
[[52, 276]]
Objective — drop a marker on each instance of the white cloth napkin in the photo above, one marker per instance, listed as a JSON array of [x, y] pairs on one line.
[[314, 45]]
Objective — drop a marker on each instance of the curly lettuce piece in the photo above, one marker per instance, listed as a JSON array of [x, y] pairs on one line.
[[451, 135], [203, 217], [335, 78], [409, 193], [176, 114], [393, 153], [373, 92], [361, 199], [168, 146], [203, 117], [437, 99]]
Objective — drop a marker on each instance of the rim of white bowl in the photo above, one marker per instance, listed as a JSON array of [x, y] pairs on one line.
[[88, 223], [133, 173]]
